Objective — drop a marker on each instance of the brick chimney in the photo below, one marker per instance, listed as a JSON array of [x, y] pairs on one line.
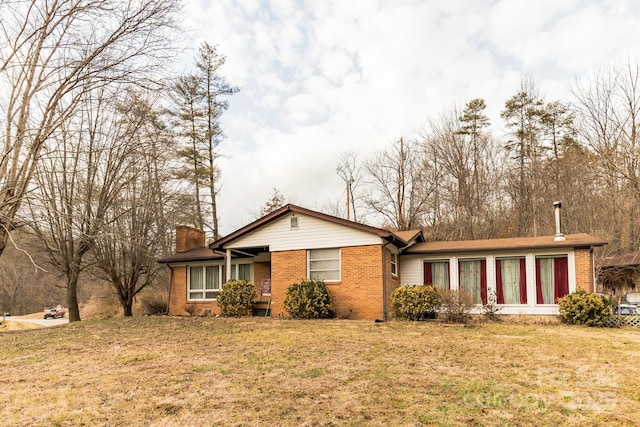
[[188, 238]]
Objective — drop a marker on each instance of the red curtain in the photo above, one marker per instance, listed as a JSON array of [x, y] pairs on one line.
[[522, 284], [523, 281], [560, 278], [539, 298], [428, 276], [499, 293]]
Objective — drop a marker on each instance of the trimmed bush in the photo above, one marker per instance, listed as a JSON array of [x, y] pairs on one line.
[[415, 302], [236, 298], [581, 308], [309, 299]]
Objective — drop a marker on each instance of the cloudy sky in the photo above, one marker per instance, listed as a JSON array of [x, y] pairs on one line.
[[322, 77]]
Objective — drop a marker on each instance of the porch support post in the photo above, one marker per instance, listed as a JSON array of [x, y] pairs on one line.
[[227, 260]]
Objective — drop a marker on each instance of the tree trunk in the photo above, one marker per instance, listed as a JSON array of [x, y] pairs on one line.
[[4, 238], [72, 297]]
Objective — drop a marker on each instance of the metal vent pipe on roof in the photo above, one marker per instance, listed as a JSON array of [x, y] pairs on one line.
[[559, 237]]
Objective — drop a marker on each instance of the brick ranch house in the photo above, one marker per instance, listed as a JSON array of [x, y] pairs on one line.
[[362, 265]]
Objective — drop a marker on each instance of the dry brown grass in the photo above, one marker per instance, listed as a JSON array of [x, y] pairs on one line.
[[10, 325], [255, 371]]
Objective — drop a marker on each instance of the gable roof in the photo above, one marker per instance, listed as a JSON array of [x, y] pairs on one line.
[[410, 236], [389, 236], [513, 243]]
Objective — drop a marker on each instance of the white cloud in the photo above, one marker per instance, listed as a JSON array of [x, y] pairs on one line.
[[322, 77]]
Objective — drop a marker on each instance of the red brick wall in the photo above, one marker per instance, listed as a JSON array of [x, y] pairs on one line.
[[391, 281], [287, 267], [178, 296], [584, 269], [359, 293], [189, 238]]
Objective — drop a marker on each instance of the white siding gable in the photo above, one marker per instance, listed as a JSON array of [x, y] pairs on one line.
[[311, 233]]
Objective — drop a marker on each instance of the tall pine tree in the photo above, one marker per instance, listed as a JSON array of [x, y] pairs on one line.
[[199, 105]]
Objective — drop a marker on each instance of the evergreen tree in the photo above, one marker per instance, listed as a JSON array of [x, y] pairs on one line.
[[523, 118], [200, 104]]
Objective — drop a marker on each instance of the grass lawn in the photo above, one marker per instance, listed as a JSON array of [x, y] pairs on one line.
[[255, 371]]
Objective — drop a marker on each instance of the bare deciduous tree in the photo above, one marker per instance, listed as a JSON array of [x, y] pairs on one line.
[[25, 284], [399, 194], [275, 202], [463, 153], [349, 171], [134, 232], [79, 179], [608, 106], [52, 53]]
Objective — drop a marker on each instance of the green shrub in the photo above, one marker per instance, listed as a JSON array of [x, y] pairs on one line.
[[581, 308], [236, 298], [415, 302], [309, 299]]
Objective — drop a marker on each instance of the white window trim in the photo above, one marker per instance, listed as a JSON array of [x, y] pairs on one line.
[[236, 269], [492, 285], [339, 264], [531, 307], [571, 276], [437, 260], [204, 278], [221, 267], [394, 263]]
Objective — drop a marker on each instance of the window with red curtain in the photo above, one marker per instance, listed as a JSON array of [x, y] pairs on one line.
[[552, 279], [511, 281], [436, 273], [473, 278]]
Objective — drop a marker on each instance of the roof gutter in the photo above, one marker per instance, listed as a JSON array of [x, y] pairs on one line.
[[384, 283], [170, 283]]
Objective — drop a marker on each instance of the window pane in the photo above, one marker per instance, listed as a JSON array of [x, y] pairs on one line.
[[552, 279], [244, 272], [546, 280], [440, 275], [195, 278], [510, 270], [394, 264], [324, 264], [471, 278], [213, 277], [330, 264], [324, 254]]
